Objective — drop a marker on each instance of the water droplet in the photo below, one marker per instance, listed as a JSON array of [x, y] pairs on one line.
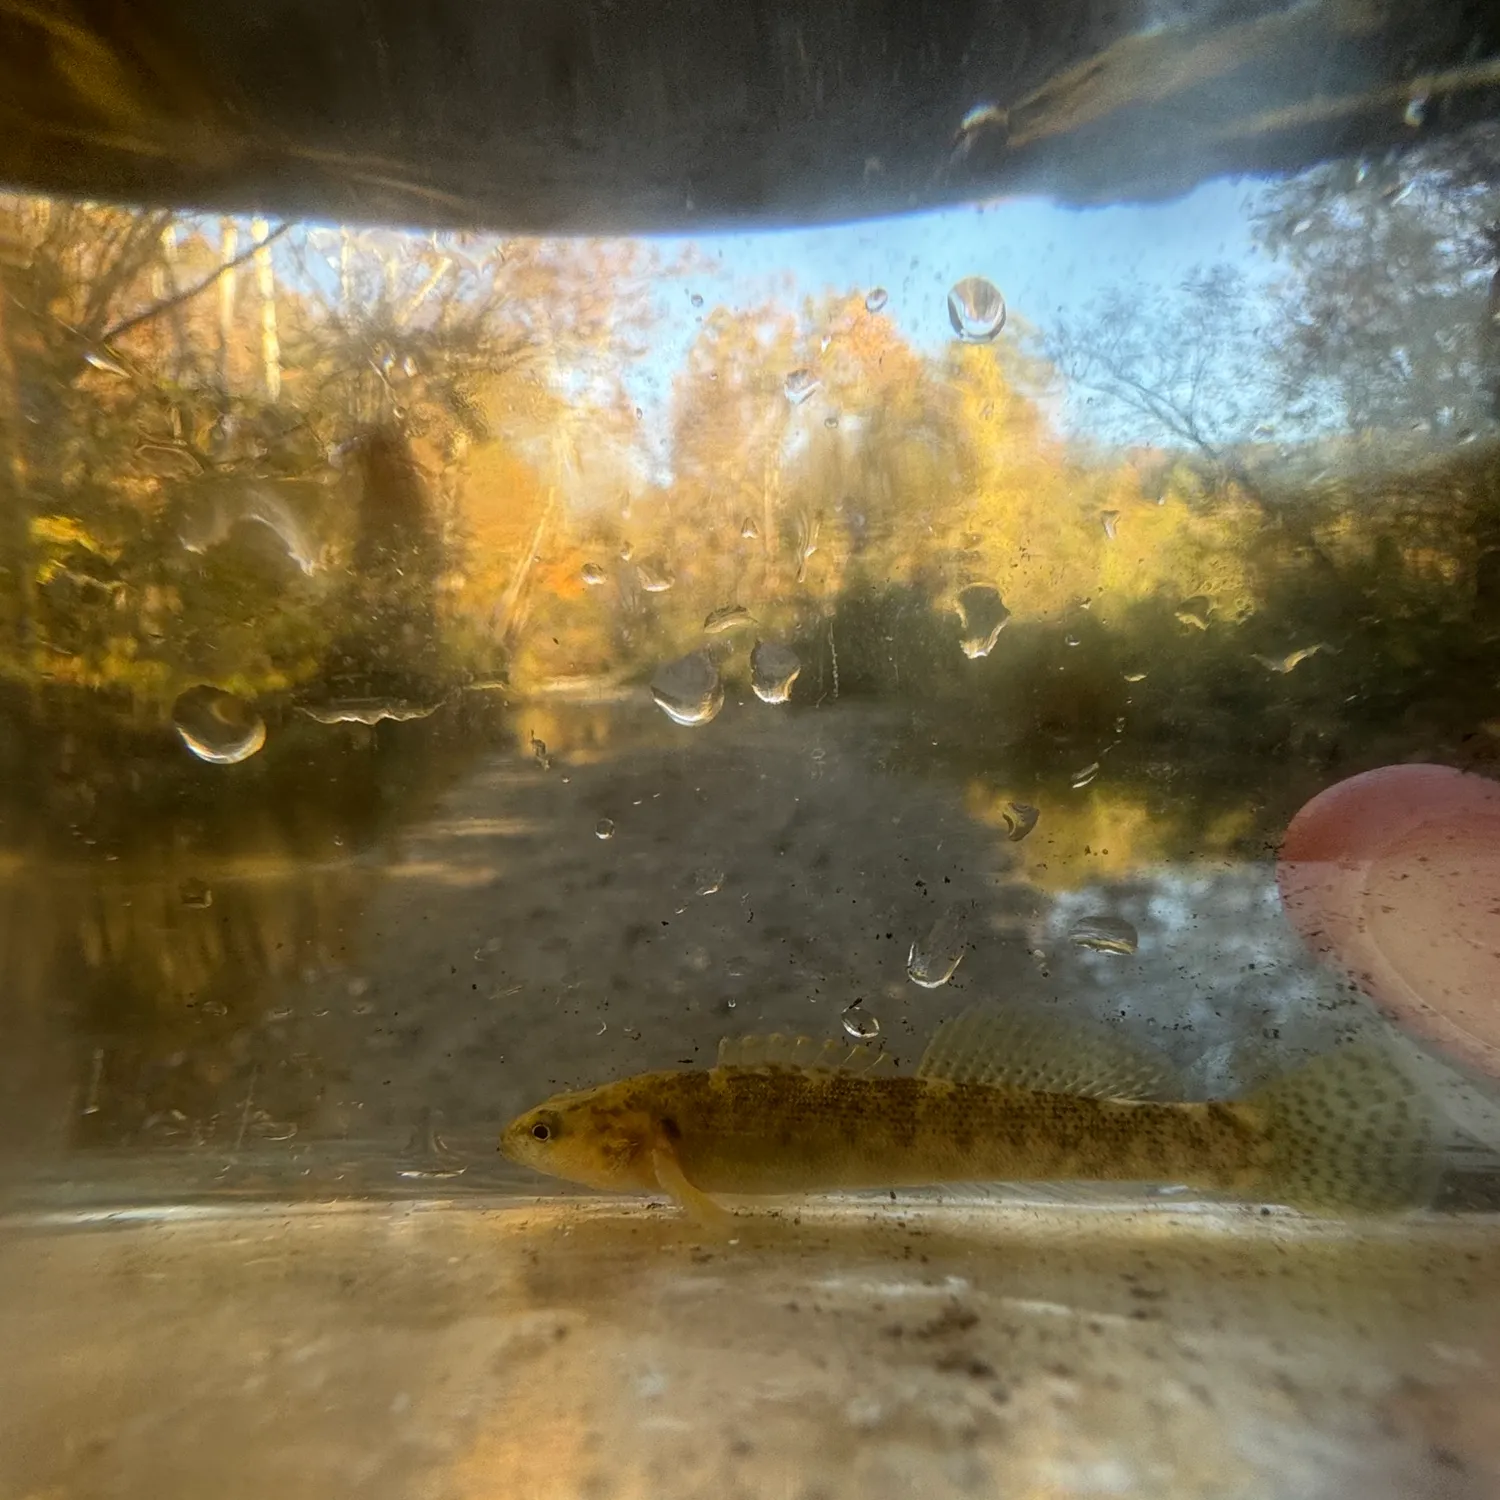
[[367, 711], [980, 116], [195, 894], [1120, 724], [799, 385], [831, 420], [539, 751], [726, 617], [696, 299], [688, 690], [1135, 677], [1083, 777], [931, 960], [861, 1027], [877, 299], [604, 828], [1071, 640], [749, 530], [807, 526], [592, 574], [983, 615], [1416, 110], [1104, 934], [1020, 819], [1293, 659], [627, 551], [655, 576], [107, 363], [216, 726], [976, 310], [707, 882], [773, 670], [1110, 520], [1195, 611]]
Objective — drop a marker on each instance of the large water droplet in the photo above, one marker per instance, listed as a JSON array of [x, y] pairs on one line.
[[195, 894], [1195, 611], [773, 670], [1135, 677], [983, 615], [1104, 934], [696, 299], [876, 299], [1110, 520], [861, 1027], [931, 960], [1416, 110], [1020, 819], [707, 882], [688, 690], [976, 309], [1083, 777], [655, 576], [604, 828], [799, 385], [726, 617], [592, 574], [216, 726], [749, 530]]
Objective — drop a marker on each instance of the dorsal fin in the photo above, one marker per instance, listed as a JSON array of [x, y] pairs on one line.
[[1032, 1050], [807, 1052]]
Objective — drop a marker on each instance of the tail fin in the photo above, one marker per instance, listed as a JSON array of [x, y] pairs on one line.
[[1350, 1132]]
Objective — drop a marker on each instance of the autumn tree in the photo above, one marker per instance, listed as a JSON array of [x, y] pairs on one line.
[[1386, 302]]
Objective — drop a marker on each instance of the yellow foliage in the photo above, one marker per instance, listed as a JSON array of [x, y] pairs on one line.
[[1080, 837], [66, 531]]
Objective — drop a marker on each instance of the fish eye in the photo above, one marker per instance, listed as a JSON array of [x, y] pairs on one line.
[[541, 1132]]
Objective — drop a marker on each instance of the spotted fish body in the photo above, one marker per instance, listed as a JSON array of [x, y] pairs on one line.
[[993, 1100], [778, 1130]]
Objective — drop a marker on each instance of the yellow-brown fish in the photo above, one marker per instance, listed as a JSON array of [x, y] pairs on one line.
[[996, 1098]]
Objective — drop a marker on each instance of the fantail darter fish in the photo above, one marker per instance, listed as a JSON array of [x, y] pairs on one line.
[[996, 1098]]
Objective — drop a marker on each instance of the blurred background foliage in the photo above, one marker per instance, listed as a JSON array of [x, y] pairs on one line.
[[314, 465]]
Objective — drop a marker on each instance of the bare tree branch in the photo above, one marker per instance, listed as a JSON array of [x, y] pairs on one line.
[[195, 290]]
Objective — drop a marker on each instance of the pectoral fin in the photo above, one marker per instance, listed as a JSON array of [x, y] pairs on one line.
[[670, 1178]]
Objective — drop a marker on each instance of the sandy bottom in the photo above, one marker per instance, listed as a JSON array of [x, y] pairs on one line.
[[551, 1350]]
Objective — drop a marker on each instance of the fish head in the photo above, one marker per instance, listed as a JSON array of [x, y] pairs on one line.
[[598, 1137]]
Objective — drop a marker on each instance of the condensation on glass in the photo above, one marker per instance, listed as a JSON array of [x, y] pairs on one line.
[[442, 669]]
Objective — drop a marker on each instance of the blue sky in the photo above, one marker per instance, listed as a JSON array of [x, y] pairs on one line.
[[1046, 259]]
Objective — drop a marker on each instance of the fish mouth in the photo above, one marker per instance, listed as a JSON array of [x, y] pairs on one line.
[[511, 1144]]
